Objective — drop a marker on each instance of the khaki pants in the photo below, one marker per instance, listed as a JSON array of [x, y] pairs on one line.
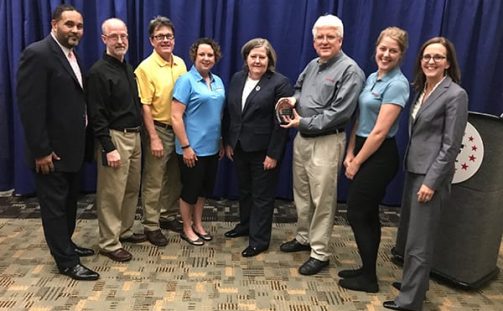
[[117, 191], [161, 182], [316, 164]]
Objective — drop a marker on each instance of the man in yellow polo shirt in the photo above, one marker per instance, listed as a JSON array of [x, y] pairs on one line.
[[156, 76]]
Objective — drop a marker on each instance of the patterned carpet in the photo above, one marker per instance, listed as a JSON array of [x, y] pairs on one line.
[[212, 277]]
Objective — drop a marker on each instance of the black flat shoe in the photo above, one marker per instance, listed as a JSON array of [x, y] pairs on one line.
[[253, 251], [234, 233], [312, 266], [80, 273], [198, 242], [206, 237], [390, 304], [360, 284], [350, 273], [83, 252]]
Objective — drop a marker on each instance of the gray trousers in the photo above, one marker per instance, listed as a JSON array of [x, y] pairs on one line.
[[423, 225]]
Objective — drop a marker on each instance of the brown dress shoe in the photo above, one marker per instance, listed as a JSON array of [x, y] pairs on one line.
[[135, 238], [156, 237], [120, 255]]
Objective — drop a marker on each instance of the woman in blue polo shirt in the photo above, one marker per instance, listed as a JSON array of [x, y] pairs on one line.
[[198, 101], [372, 158]]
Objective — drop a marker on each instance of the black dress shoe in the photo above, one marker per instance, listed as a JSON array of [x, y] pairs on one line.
[[83, 252], [156, 238], [360, 283], [312, 266], [294, 246], [80, 272], [397, 285], [390, 304], [173, 225], [350, 273], [234, 233], [251, 251]]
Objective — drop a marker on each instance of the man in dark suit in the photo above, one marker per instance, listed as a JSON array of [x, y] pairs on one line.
[[52, 109]]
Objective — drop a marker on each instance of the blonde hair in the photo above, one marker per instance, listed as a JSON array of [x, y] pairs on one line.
[[397, 34]]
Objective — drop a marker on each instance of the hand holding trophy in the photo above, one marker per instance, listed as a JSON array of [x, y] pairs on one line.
[[284, 108]]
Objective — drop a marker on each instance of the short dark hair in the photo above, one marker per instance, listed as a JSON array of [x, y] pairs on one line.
[[257, 43], [58, 11], [453, 71], [214, 45], [160, 21]]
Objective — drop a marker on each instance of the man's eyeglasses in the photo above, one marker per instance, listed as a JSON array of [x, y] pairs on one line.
[[436, 58], [116, 37], [161, 37], [329, 38]]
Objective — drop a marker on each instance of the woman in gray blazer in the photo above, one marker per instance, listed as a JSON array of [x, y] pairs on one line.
[[436, 127]]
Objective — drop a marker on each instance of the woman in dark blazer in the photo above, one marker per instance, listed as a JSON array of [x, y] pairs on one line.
[[437, 124], [254, 141]]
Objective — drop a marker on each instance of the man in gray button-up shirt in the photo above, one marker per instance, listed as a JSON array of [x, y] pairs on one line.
[[326, 95]]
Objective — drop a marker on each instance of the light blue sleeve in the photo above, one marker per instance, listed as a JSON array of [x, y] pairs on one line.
[[183, 89], [396, 93]]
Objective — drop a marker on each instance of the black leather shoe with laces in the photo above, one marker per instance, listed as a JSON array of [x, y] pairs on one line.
[[312, 266]]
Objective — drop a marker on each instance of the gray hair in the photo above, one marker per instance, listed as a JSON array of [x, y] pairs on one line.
[[329, 20]]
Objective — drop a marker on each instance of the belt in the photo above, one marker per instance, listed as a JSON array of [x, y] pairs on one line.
[[330, 132], [130, 129], [163, 125]]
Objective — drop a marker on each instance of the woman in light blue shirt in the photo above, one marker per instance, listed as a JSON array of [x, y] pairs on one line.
[[198, 101], [372, 158]]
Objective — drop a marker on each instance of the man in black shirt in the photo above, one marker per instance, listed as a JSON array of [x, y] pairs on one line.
[[114, 111]]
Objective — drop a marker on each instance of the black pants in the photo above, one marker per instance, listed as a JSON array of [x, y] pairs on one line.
[[257, 190], [57, 194], [365, 193]]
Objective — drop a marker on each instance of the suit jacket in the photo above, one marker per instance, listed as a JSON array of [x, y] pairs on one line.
[[51, 105], [436, 133], [256, 127]]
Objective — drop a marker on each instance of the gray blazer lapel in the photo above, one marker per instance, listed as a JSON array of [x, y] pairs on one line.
[[441, 89]]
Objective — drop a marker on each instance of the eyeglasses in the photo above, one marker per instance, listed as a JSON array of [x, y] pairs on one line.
[[329, 38], [116, 37], [161, 37], [436, 58]]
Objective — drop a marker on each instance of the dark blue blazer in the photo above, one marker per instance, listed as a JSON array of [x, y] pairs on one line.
[[256, 127]]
